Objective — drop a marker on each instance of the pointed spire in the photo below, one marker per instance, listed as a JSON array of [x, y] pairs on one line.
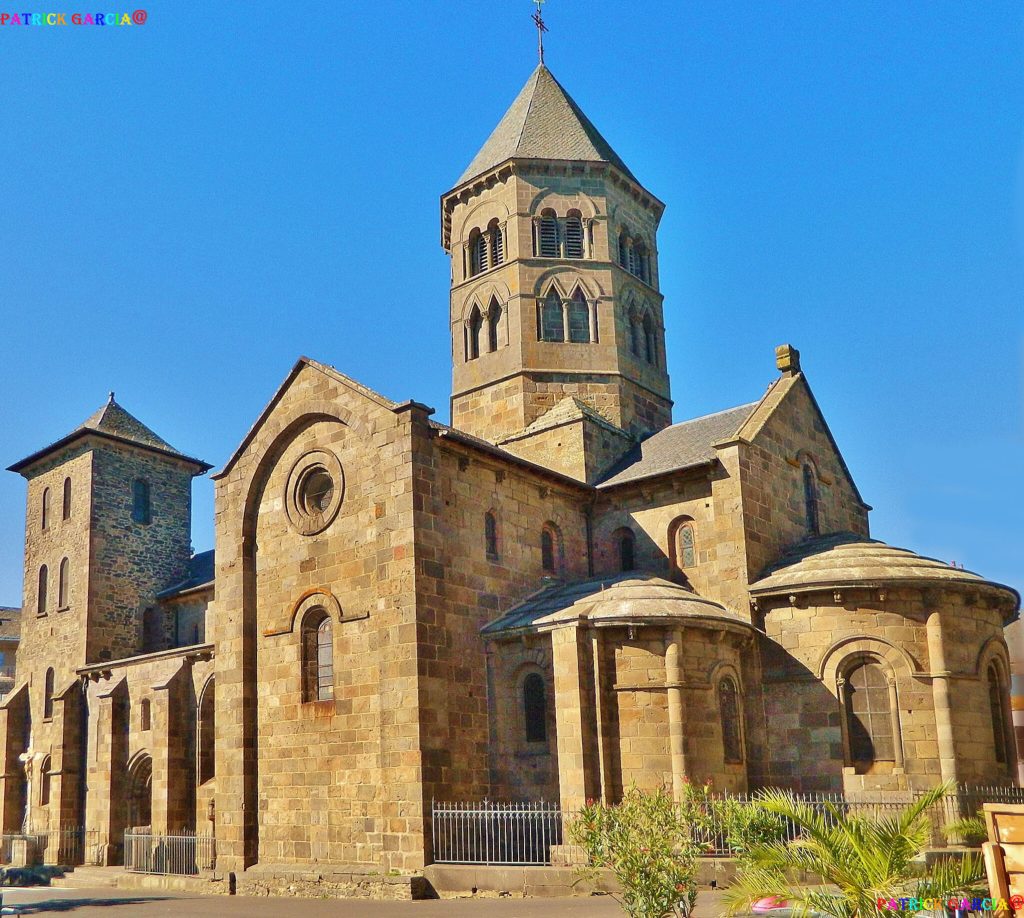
[[544, 123]]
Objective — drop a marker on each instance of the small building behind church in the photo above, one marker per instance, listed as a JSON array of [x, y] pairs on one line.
[[557, 596]]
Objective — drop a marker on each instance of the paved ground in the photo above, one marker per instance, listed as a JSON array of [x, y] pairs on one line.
[[87, 903]]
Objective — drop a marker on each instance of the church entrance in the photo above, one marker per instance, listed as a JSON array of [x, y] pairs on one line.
[[140, 793]]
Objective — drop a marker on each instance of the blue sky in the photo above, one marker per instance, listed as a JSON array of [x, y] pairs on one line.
[[189, 205]]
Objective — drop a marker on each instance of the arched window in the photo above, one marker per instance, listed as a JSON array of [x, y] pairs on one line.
[[491, 535], [45, 510], [145, 715], [206, 740], [627, 548], [493, 322], [477, 252], [811, 500], [624, 250], [998, 715], [153, 636], [639, 268], [48, 694], [141, 511], [868, 714], [473, 327], [535, 708], [687, 552], [650, 344], [634, 333], [66, 506], [546, 243], [551, 328], [63, 587], [551, 548], [729, 709], [317, 656], [44, 782], [41, 591], [579, 318], [496, 241], [573, 235]]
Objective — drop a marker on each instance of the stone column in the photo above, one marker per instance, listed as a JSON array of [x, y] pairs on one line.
[[66, 760], [603, 769], [941, 698], [894, 713], [106, 808], [571, 719], [676, 735]]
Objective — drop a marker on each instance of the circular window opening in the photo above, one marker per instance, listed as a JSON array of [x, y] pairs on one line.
[[316, 491]]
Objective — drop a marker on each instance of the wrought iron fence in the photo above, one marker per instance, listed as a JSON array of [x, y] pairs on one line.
[[65, 847], [182, 855], [523, 833], [486, 832]]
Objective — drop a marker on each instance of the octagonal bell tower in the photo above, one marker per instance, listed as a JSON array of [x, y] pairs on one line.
[[555, 294]]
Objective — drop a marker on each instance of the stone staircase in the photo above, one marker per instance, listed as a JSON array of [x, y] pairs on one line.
[[88, 878]]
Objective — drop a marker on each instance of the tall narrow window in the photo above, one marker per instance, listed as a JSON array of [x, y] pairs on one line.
[[476, 322], [547, 235], [41, 590], [869, 718], [145, 715], [45, 510], [497, 243], [66, 506], [811, 500], [627, 547], [624, 250], [995, 707], [207, 728], [687, 546], [44, 782], [317, 656], [650, 343], [634, 333], [551, 327], [728, 707], [551, 548], [573, 235], [491, 535], [477, 252], [640, 261], [48, 694], [141, 510], [493, 323], [535, 708], [579, 318], [63, 586]]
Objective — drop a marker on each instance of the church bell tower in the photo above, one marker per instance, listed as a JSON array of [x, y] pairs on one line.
[[555, 295]]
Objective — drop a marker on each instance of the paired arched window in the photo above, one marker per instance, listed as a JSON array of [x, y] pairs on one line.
[[41, 589], [650, 342], [145, 714], [729, 712], [45, 509], [552, 327], [579, 317], [551, 548], [493, 324], [44, 782], [486, 248], [997, 712], [566, 320], [141, 509], [317, 656], [491, 535], [559, 237], [811, 500], [48, 694], [869, 714], [643, 336], [63, 585], [66, 504], [633, 256], [207, 730], [535, 708], [625, 543]]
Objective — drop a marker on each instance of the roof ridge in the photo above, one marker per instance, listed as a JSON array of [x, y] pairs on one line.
[[535, 77]]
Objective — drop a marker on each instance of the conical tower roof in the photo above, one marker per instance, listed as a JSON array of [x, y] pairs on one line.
[[543, 123], [114, 422]]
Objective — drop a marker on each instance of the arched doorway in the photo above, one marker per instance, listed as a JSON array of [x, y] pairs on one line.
[[140, 792]]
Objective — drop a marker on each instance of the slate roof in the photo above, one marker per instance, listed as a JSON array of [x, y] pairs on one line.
[[847, 559], [543, 123], [631, 596], [10, 623], [114, 422], [681, 446], [200, 574]]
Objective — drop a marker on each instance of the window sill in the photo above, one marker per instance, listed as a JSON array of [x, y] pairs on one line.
[[63, 608]]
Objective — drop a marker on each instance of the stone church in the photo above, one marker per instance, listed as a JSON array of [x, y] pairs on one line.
[[558, 595]]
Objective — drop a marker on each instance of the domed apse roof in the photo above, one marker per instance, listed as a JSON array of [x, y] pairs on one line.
[[846, 559], [633, 597]]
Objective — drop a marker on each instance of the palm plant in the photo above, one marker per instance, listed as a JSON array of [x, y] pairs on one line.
[[859, 859]]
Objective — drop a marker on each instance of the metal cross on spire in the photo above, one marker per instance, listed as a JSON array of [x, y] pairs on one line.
[[541, 29]]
